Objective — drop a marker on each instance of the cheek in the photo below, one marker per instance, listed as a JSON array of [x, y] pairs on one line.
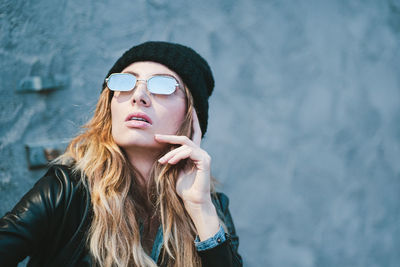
[[115, 117], [173, 116], [179, 115], [113, 112]]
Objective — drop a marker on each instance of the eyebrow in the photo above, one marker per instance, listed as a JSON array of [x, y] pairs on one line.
[[131, 72]]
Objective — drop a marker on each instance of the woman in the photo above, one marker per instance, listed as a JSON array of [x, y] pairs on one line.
[[134, 189]]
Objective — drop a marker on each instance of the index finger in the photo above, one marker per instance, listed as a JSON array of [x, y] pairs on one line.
[[196, 136]]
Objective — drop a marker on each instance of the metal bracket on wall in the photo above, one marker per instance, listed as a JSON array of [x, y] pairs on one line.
[[42, 84], [40, 154]]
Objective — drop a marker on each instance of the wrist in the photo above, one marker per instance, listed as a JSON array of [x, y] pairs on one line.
[[205, 219], [198, 210]]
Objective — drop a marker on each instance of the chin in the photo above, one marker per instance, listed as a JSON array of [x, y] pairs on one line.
[[139, 142]]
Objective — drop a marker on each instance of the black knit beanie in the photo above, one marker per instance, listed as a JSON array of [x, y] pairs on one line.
[[187, 63]]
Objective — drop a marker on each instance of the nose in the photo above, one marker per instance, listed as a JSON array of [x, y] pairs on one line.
[[140, 94]]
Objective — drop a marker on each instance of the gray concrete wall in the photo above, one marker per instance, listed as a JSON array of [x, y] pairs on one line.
[[304, 124]]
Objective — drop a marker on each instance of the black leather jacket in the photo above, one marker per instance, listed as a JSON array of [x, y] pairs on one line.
[[51, 221]]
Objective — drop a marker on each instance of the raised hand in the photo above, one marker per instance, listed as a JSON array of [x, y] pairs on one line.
[[193, 183]]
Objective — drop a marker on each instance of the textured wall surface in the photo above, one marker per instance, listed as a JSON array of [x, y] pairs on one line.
[[304, 126]]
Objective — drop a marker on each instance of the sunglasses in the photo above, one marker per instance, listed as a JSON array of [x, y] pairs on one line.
[[125, 82]]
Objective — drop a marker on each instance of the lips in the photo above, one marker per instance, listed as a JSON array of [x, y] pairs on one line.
[[138, 117]]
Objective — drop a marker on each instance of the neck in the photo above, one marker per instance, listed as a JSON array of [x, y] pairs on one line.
[[142, 159]]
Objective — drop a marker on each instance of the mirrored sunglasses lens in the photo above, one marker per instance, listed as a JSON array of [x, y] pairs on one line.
[[121, 82], [162, 85]]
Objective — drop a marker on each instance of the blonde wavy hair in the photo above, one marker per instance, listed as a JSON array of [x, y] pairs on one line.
[[120, 202]]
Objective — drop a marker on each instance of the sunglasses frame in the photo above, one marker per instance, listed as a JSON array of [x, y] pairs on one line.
[[177, 84]]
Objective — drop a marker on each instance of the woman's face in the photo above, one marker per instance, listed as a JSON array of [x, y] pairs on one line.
[[164, 113]]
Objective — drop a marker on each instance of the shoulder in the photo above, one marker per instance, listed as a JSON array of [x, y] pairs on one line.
[[61, 176], [47, 218], [52, 190], [61, 172]]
